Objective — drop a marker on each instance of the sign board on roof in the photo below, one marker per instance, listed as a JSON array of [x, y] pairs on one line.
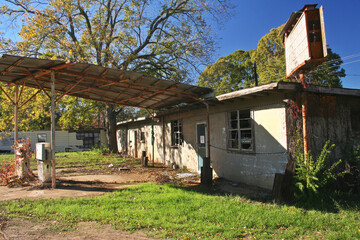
[[304, 40]]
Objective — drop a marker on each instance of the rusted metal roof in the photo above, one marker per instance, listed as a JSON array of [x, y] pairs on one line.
[[97, 83]]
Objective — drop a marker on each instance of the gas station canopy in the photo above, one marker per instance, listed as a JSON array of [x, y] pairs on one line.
[[97, 83]]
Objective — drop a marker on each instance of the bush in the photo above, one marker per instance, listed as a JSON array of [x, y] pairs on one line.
[[7, 172], [349, 181], [312, 175]]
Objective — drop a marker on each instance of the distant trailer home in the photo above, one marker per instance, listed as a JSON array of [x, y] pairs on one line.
[[65, 141], [252, 131]]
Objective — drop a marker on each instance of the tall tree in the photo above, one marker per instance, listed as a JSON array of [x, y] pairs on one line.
[[229, 73], [164, 38], [270, 57]]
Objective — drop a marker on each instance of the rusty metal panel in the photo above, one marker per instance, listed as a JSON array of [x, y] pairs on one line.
[[97, 83]]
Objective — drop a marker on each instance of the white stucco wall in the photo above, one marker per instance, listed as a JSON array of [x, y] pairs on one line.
[[254, 168], [270, 157]]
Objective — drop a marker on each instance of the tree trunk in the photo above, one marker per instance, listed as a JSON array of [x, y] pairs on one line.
[[110, 125]]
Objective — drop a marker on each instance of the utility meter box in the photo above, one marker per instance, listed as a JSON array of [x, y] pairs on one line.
[[43, 156]]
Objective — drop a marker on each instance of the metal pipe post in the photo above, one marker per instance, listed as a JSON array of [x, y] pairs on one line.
[[53, 163], [16, 114]]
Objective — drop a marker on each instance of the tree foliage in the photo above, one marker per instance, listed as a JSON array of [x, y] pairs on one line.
[[33, 115], [329, 73], [167, 39], [229, 73], [270, 57], [77, 113], [233, 72]]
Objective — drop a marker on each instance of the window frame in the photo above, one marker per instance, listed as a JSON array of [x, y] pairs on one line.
[[239, 131], [177, 138]]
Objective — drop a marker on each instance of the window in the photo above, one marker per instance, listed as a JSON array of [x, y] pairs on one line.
[[176, 133], [240, 133], [90, 139], [41, 137], [142, 136]]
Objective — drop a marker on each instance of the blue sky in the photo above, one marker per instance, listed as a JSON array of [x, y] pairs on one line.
[[255, 18]]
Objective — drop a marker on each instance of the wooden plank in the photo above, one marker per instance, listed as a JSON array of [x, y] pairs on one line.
[[323, 36]]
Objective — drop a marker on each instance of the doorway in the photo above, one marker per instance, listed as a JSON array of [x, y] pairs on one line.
[[201, 143], [135, 144]]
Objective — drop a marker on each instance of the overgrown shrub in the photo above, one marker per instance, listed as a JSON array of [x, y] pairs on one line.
[[7, 172], [349, 181], [311, 174]]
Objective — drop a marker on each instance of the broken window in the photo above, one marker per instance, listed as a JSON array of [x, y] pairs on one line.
[[240, 132], [176, 133]]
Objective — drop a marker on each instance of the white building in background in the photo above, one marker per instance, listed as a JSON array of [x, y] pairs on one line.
[[65, 141]]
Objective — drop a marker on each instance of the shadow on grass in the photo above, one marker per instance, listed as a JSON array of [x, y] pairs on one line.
[[221, 187], [91, 186], [330, 201], [327, 201]]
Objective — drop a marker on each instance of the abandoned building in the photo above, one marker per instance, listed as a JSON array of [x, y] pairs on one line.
[[66, 141], [252, 131]]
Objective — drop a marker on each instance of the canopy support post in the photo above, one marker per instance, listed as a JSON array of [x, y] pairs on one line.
[[206, 170], [53, 163], [16, 116]]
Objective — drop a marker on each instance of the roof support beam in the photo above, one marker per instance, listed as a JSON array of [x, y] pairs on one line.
[[73, 86], [7, 95]]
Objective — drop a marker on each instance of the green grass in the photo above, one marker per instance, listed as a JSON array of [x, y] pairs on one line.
[[6, 157], [168, 211], [91, 160]]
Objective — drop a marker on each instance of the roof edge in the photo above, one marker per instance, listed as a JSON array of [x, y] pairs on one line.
[[247, 91]]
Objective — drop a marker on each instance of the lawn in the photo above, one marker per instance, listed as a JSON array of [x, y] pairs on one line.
[[90, 160], [169, 211], [180, 212]]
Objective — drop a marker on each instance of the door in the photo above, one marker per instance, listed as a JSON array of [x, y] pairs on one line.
[[135, 144], [201, 143]]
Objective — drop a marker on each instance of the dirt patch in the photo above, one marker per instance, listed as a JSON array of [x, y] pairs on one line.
[[24, 229], [79, 182], [76, 182]]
